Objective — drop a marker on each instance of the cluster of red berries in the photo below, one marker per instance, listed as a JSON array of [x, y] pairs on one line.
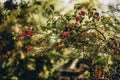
[[66, 34], [79, 16], [26, 33], [81, 12]]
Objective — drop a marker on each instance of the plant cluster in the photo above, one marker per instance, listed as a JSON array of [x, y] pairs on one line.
[[84, 34], [22, 36]]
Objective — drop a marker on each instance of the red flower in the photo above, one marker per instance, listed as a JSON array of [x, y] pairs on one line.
[[29, 48], [65, 35], [99, 73], [76, 23], [77, 19], [97, 18], [22, 34], [29, 33], [82, 12], [20, 38]]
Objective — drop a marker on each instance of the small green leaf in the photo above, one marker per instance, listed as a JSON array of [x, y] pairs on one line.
[[87, 73], [52, 7]]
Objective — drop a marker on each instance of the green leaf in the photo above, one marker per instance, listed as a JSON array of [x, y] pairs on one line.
[[87, 73], [52, 7], [96, 13], [100, 61]]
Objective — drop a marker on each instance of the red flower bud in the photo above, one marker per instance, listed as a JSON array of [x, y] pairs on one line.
[[82, 12], [65, 35], [29, 33], [77, 19], [97, 18], [99, 73], [29, 48], [76, 23]]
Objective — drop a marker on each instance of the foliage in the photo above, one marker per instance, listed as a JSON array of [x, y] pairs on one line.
[[43, 38], [86, 33]]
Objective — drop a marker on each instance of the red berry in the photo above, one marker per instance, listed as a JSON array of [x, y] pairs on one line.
[[29, 48], [97, 18], [82, 12], [29, 33], [99, 73], [65, 35], [77, 19], [76, 23]]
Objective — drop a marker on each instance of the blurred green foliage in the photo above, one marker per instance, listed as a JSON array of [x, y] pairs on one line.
[[57, 39]]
